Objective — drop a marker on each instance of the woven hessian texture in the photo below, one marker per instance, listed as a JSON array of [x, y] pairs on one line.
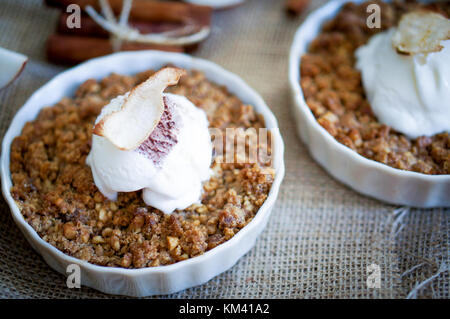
[[321, 236]]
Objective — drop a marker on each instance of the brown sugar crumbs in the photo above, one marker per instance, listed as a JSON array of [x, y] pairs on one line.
[[333, 91], [57, 196]]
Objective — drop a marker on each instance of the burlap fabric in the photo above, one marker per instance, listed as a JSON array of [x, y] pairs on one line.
[[321, 236]]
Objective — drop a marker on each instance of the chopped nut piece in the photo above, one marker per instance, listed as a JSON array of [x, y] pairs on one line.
[[172, 242], [70, 231], [115, 243], [98, 240], [85, 235], [107, 232], [102, 215], [126, 261]]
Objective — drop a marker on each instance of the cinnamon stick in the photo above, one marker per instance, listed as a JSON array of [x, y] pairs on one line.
[[155, 11], [90, 28], [69, 49], [297, 7]]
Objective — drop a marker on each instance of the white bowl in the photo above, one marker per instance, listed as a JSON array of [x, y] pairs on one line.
[[155, 280], [366, 176], [216, 4]]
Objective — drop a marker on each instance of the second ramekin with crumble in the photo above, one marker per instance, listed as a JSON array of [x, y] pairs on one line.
[[335, 118]]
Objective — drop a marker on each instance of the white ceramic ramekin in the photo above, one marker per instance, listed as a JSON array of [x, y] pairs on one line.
[[156, 280], [216, 4], [363, 175]]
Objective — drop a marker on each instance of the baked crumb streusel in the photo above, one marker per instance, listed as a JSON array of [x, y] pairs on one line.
[[333, 91], [57, 196]]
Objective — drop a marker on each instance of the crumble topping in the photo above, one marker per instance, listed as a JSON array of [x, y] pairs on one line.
[[56, 194], [333, 91]]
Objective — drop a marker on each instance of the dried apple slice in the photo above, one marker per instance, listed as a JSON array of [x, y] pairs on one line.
[[11, 65], [141, 111], [421, 32]]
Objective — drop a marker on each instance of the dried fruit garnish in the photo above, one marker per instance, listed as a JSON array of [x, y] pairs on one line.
[[163, 137], [11, 65], [140, 113], [421, 32]]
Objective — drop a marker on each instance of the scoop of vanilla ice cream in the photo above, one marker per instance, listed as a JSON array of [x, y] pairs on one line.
[[410, 93], [174, 181]]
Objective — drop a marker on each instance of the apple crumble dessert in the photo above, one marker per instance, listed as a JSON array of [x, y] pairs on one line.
[[335, 91], [57, 195]]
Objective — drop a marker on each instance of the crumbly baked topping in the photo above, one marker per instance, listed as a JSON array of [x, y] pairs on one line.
[[57, 196], [333, 91]]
